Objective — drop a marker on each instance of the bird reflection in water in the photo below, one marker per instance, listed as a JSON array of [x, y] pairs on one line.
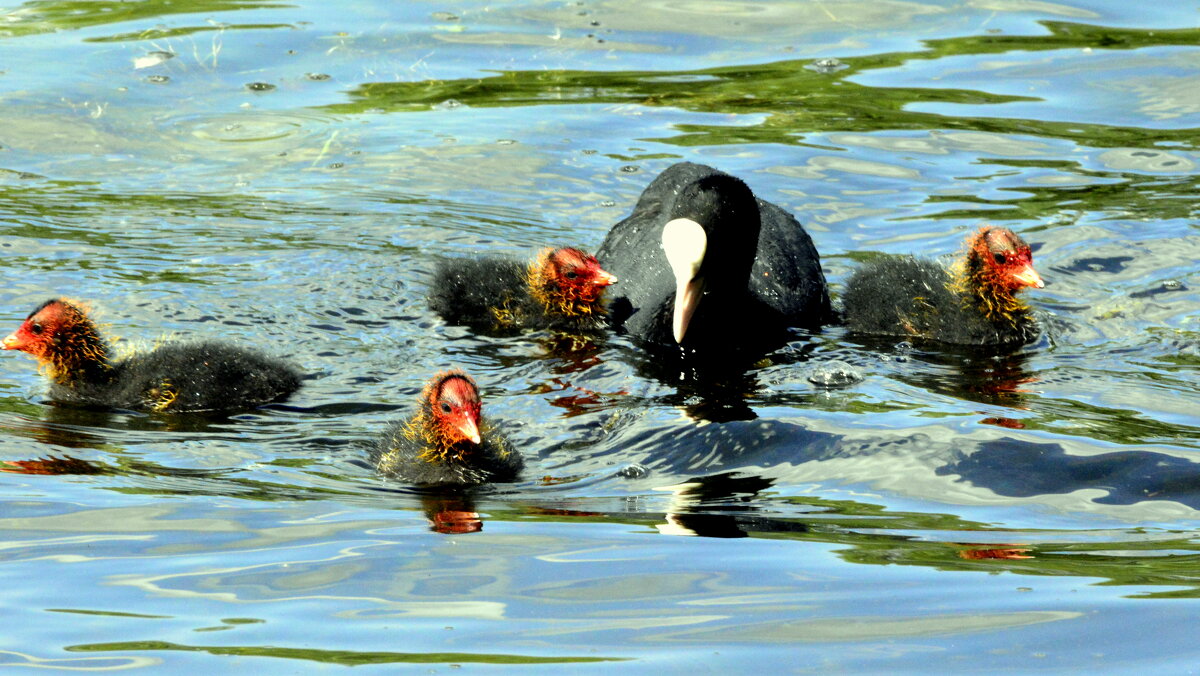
[[998, 378], [1004, 553], [577, 400], [451, 513], [52, 465], [63, 427], [718, 506]]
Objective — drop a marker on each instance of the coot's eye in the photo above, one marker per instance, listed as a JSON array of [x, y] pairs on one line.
[[571, 274], [1000, 258], [36, 329]]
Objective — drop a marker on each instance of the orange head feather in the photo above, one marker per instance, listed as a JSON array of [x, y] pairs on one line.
[[568, 281], [998, 264], [450, 417], [64, 340]]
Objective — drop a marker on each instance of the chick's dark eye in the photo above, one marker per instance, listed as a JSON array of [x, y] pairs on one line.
[[571, 274], [445, 407], [1000, 258], [36, 329]]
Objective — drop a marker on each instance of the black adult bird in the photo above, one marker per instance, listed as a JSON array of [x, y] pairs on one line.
[[704, 264], [174, 378]]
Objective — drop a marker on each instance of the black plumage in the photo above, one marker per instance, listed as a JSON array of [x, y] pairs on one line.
[[399, 456], [186, 377], [177, 378], [447, 442], [760, 271], [561, 291], [472, 293], [972, 303]]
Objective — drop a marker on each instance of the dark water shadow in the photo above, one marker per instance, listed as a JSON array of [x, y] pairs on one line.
[[1022, 469]]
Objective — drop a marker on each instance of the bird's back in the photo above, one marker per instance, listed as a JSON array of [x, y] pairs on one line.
[[787, 272], [911, 297], [479, 292], [201, 376]]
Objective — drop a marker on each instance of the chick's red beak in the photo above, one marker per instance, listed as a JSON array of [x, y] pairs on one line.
[[13, 342], [1027, 276], [469, 429]]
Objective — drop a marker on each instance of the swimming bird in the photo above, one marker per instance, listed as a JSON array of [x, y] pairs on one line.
[[447, 441], [704, 264], [561, 289], [974, 302], [206, 376]]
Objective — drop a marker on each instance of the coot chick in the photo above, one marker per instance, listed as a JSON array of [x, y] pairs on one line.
[[705, 264], [560, 290], [447, 442], [972, 303], [176, 377]]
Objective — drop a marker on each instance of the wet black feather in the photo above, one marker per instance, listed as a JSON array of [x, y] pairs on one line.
[[493, 461], [910, 297], [763, 272], [186, 377], [492, 295]]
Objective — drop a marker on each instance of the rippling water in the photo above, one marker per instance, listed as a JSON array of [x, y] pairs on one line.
[[287, 176]]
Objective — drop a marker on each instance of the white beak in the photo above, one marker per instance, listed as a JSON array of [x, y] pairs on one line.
[[684, 242]]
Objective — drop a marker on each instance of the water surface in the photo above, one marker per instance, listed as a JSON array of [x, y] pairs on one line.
[[287, 174]]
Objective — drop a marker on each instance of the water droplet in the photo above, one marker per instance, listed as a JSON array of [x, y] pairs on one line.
[[826, 65], [506, 142], [630, 169], [607, 203], [337, 165], [1172, 285], [316, 77], [444, 16], [151, 59], [634, 471], [834, 373], [449, 104], [157, 79], [589, 152], [260, 86]]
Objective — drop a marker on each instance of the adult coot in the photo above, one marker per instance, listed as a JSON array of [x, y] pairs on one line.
[[706, 265]]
